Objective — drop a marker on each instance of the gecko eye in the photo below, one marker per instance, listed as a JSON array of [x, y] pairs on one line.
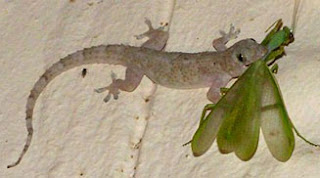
[[240, 58], [253, 39]]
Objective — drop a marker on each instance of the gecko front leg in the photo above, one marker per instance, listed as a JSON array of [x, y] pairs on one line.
[[214, 93], [220, 43], [157, 40]]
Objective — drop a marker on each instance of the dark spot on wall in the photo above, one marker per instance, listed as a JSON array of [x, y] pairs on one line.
[[84, 72]]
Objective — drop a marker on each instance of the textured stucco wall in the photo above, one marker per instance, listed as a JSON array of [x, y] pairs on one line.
[[78, 135]]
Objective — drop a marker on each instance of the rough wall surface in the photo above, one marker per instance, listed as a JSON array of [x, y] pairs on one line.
[[78, 135]]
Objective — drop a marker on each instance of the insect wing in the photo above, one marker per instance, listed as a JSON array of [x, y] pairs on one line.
[[234, 119], [240, 130], [208, 129], [275, 122]]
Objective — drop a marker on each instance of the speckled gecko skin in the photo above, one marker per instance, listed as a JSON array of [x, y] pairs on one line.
[[170, 69]]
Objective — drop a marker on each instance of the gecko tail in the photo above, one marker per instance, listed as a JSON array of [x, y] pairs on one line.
[[111, 54], [27, 144]]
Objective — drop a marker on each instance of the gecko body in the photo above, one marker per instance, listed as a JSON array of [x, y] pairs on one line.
[[170, 69]]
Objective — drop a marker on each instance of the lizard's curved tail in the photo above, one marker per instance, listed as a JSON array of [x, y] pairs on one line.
[[111, 54]]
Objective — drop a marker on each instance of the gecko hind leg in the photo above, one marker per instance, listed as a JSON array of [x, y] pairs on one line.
[[157, 37], [130, 83], [220, 43], [157, 41], [113, 90]]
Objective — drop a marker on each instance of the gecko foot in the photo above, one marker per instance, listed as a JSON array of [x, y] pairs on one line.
[[233, 33], [157, 37], [145, 34], [113, 89], [220, 43], [151, 31]]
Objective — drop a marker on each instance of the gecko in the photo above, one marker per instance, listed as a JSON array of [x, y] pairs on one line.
[[170, 69]]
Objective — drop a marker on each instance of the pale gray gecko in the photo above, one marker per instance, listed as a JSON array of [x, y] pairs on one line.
[[170, 69]]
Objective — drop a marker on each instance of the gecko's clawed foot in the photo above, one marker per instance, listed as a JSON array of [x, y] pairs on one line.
[[113, 89], [220, 43], [151, 31], [158, 37], [145, 34], [232, 34]]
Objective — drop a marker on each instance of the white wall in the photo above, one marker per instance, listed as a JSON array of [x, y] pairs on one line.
[[78, 135]]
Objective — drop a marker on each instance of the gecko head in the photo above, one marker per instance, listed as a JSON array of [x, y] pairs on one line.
[[247, 51]]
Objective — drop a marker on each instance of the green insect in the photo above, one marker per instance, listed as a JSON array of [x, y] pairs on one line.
[[276, 40], [236, 119], [254, 101]]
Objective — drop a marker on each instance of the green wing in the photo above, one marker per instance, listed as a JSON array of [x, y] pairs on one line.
[[275, 122], [253, 101], [234, 120]]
